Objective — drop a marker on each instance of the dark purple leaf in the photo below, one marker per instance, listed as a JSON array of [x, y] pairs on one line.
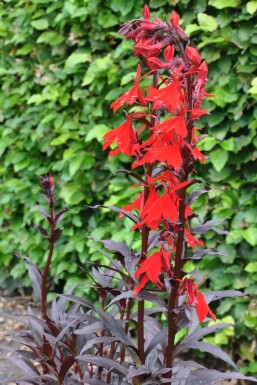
[[43, 211], [207, 226], [43, 232], [117, 210], [146, 295], [136, 176], [210, 377], [206, 347], [135, 372], [90, 329], [191, 364], [121, 247], [98, 340], [153, 239], [105, 362], [126, 294], [194, 195], [116, 264], [211, 296], [35, 276], [24, 365], [198, 254], [59, 216], [57, 234], [205, 331], [159, 338], [66, 365], [64, 331], [80, 301]]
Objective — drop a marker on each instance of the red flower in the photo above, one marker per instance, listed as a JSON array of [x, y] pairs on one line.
[[196, 298], [169, 154], [131, 95], [151, 269], [193, 56], [168, 96], [191, 240], [125, 137], [156, 209]]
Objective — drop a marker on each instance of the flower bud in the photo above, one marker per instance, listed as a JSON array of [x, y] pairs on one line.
[[146, 12]]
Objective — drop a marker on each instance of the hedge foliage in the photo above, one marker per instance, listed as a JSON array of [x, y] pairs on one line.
[[61, 64]]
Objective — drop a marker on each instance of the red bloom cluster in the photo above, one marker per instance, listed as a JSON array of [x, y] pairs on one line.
[[196, 298], [162, 134]]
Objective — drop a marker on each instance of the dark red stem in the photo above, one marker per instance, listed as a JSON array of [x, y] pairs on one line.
[[44, 288], [180, 244], [144, 245]]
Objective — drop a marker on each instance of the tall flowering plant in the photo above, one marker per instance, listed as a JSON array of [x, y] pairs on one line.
[[76, 342], [161, 135]]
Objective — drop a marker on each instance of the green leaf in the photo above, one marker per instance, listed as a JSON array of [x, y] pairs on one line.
[[40, 24], [99, 67], [75, 163], [252, 266], [25, 49], [219, 158], [36, 98], [72, 194], [60, 139], [220, 4], [124, 7], [251, 7], [250, 235], [206, 22], [97, 132], [77, 58], [52, 38]]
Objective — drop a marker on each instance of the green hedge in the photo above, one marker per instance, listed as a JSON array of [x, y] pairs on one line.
[[62, 63]]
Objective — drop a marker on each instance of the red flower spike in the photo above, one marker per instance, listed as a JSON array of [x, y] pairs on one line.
[[146, 12], [193, 56]]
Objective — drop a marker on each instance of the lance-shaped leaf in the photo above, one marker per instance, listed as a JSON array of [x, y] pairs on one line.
[[208, 348], [105, 362], [198, 254], [117, 210], [207, 226]]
